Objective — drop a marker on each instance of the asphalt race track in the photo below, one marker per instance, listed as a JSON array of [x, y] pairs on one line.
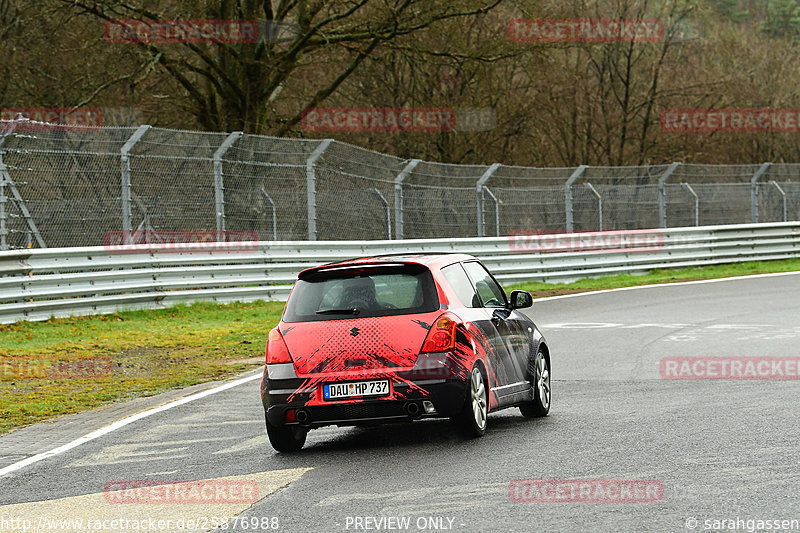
[[719, 449]]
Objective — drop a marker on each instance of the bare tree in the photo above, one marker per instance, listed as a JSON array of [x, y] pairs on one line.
[[9, 23], [307, 43], [600, 102], [468, 66]]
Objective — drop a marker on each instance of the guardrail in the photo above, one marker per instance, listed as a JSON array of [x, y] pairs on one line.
[[39, 283]]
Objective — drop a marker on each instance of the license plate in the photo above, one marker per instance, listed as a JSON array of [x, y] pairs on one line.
[[336, 391]]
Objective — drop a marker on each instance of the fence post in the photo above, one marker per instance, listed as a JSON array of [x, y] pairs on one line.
[[783, 195], [662, 193], [754, 190], [219, 185], [398, 196], [479, 188], [3, 200], [599, 205], [311, 187], [3, 197], [126, 181], [6, 181], [387, 211], [568, 196], [271, 203], [696, 202], [488, 191]]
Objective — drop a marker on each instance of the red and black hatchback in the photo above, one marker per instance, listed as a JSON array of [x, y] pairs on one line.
[[397, 338]]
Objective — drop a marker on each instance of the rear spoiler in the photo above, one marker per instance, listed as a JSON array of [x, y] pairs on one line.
[[357, 268]]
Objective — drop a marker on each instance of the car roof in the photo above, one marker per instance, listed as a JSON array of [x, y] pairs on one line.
[[431, 260]]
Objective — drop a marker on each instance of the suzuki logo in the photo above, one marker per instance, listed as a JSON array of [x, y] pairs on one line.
[[354, 332]]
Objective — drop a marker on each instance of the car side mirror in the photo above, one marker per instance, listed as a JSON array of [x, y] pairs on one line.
[[520, 299]]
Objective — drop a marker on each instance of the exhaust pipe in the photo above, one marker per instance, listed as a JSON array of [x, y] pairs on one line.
[[302, 416], [413, 409]]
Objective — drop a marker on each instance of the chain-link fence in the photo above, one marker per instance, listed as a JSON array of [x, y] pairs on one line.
[[62, 186]]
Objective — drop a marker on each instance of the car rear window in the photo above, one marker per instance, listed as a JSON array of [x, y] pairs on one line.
[[362, 292]]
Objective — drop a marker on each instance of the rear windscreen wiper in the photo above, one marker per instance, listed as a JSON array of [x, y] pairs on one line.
[[350, 311]]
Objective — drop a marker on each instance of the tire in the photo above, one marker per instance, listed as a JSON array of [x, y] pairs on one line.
[[286, 439], [542, 396], [472, 420]]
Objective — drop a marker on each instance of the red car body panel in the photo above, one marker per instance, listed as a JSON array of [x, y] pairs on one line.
[[359, 344], [388, 347]]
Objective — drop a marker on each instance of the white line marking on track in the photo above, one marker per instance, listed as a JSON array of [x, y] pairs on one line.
[[655, 285], [124, 422]]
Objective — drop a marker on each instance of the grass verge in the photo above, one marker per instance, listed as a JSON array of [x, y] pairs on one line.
[[61, 366], [147, 352]]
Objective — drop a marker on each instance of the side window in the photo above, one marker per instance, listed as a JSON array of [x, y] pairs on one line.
[[461, 285], [489, 291]]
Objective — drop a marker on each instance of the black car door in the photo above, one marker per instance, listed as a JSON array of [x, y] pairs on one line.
[[512, 327], [474, 312]]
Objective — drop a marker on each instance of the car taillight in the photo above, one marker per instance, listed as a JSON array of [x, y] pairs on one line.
[[442, 336], [277, 352]]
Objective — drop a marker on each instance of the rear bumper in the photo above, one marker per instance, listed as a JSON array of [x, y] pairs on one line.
[[405, 403]]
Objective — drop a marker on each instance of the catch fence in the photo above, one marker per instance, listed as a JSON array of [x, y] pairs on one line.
[[62, 186]]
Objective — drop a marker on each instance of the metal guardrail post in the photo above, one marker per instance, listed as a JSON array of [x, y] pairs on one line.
[[311, 187], [599, 205], [126, 181], [219, 185], [783, 195], [754, 191], [662, 193], [386, 209], [398, 196], [696, 202], [568, 196], [479, 188], [488, 191]]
